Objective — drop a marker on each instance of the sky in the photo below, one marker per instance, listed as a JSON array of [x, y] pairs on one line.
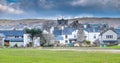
[[53, 9]]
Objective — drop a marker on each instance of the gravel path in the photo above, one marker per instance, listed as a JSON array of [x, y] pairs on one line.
[[84, 49]]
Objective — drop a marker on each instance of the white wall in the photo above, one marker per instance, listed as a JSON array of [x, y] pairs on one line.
[[109, 32], [26, 39], [70, 36], [90, 36], [18, 43]]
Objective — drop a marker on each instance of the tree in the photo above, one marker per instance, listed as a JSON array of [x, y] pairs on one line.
[[80, 35], [49, 38], [33, 32]]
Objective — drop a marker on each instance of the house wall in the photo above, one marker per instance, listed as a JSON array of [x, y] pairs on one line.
[[18, 43], [109, 32], [26, 39], [92, 36], [70, 36]]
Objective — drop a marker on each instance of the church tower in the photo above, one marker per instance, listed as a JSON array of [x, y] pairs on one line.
[[62, 22]]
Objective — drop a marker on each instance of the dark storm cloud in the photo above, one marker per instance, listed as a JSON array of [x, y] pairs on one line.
[[40, 8]]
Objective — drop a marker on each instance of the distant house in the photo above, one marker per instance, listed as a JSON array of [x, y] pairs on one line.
[[92, 34], [65, 35], [118, 33], [12, 37], [96, 25], [108, 37]]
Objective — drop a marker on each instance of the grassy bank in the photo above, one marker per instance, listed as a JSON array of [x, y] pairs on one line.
[[114, 47], [45, 56]]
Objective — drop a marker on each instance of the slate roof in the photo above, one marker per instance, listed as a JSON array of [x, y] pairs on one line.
[[118, 32], [65, 31], [12, 32], [92, 30], [58, 38], [6, 33], [107, 30], [57, 31], [14, 39]]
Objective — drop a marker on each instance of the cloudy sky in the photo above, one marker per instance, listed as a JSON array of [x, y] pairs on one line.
[[53, 9]]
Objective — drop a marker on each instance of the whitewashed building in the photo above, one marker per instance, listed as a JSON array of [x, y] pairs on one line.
[[92, 34], [65, 35], [11, 37], [108, 37]]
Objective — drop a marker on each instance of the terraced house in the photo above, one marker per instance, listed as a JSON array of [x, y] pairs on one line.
[[12, 37]]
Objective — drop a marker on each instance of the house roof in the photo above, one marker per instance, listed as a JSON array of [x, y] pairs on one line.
[[92, 30], [65, 31], [14, 39], [107, 30], [110, 41], [57, 31], [118, 32], [58, 38], [12, 32], [68, 30]]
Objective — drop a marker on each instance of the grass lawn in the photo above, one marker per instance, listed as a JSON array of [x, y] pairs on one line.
[[114, 47], [46, 56]]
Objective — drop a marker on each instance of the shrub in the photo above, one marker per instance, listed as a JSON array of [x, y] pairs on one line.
[[87, 42], [30, 44], [15, 45]]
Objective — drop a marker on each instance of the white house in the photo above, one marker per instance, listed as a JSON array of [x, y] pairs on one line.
[[11, 37], [108, 37], [65, 35], [92, 34]]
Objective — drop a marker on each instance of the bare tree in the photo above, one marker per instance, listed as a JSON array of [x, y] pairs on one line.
[[80, 36], [49, 39]]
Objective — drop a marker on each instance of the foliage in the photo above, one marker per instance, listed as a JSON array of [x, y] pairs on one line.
[[87, 42], [45, 56], [30, 44], [49, 39], [33, 32], [15, 45]]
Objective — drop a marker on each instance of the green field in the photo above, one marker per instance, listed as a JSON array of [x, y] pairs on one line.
[[46, 56], [114, 47]]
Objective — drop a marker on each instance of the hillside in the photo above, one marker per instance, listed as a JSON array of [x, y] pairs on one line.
[[6, 24]]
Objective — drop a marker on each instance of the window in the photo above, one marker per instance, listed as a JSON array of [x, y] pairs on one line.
[[22, 36], [66, 36], [66, 41], [109, 36], [95, 36], [74, 36], [16, 36]]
